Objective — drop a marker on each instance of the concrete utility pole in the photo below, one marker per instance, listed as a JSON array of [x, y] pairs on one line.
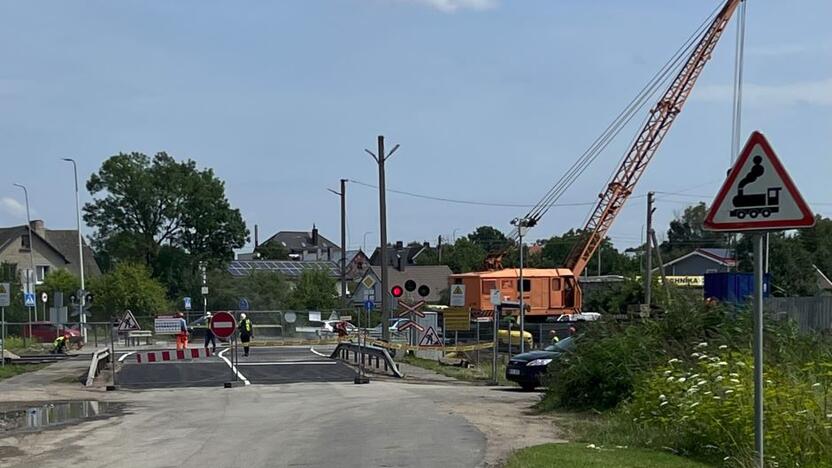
[[343, 195], [30, 283], [522, 226], [83, 296], [648, 255], [381, 158]]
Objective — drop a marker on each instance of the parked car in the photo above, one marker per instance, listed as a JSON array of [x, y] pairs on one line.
[[502, 338], [527, 369], [580, 317], [46, 332], [328, 327]]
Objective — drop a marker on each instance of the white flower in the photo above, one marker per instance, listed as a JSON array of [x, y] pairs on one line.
[[717, 398], [816, 385], [725, 346], [694, 405], [735, 381], [663, 403], [681, 380], [829, 415], [704, 356], [769, 381], [694, 376], [696, 355], [734, 374], [729, 391], [708, 392], [591, 446], [702, 345], [671, 378], [702, 382], [668, 372], [674, 360], [740, 363], [722, 363], [662, 397], [719, 378]]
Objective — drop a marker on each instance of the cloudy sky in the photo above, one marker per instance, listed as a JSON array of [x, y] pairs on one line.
[[490, 100]]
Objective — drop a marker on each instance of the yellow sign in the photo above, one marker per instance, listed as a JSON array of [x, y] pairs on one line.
[[368, 282], [689, 281], [457, 320]]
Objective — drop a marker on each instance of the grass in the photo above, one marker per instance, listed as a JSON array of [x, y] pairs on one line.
[[11, 370], [478, 373], [577, 455]]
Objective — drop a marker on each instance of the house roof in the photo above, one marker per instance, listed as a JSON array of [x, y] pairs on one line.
[[351, 254], [434, 276], [296, 241], [10, 234], [66, 242], [410, 251], [720, 256], [515, 273]]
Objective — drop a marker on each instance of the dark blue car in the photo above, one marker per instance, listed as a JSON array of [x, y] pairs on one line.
[[527, 369]]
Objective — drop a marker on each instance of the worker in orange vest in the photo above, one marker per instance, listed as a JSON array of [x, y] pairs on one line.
[[182, 336]]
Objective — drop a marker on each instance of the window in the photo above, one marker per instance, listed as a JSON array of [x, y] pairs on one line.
[[527, 285], [487, 286], [506, 284], [42, 271], [555, 284], [25, 241]]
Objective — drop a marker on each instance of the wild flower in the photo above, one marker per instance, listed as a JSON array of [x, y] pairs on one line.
[[816, 385], [662, 404], [719, 378], [741, 364], [668, 372], [734, 374], [701, 382], [696, 355], [736, 381], [671, 378], [704, 356], [702, 345], [673, 361], [662, 397], [681, 380], [729, 391], [725, 346], [694, 405]]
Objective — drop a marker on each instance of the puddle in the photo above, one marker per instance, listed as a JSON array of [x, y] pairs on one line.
[[38, 416]]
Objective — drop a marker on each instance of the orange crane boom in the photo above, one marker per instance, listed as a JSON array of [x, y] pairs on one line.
[[645, 146]]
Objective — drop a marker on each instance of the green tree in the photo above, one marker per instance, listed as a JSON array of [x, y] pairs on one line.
[[264, 290], [141, 204], [272, 251], [60, 280], [687, 233], [16, 312], [489, 239], [128, 286], [315, 290]]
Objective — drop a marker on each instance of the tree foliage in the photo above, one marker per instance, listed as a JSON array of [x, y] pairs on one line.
[[264, 290], [141, 204], [315, 290], [60, 280], [687, 232], [128, 286], [272, 251]]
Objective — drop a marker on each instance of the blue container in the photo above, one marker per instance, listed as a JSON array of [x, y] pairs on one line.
[[733, 288]]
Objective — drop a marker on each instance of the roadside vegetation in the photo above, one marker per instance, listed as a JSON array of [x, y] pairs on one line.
[[478, 373], [11, 370], [591, 456], [683, 382]]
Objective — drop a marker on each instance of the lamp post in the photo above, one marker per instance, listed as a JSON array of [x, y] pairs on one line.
[[82, 297], [523, 225], [30, 285], [364, 245]]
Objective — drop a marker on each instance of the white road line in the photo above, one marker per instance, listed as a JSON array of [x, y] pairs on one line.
[[124, 356], [316, 352], [233, 368], [288, 363]]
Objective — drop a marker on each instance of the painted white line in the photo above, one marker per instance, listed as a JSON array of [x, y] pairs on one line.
[[288, 363], [319, 354], [124, 356], [233, 368]]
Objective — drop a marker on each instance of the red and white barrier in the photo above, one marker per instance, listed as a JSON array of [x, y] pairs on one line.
[[172, 355]]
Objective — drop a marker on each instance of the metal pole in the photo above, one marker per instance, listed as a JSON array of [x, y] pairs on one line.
[[343, 239], [204, 296], [30, 285], [83, 317], [494, 339], [509, 339], [522, 306], [648, 255], [3, 336], [382, 206], [478, 342], [758, 347], [766, 270], [113, 355]]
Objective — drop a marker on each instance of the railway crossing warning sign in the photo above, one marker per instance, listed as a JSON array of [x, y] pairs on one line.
[[758, 194]]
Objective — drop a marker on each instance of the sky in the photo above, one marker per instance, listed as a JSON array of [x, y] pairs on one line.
[[490, 100]]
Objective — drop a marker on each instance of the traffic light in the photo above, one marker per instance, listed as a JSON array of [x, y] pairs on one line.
[[396, 291], [424, 290], [410, 285]]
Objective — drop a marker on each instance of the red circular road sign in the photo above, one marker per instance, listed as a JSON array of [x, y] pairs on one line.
[[223, 324]]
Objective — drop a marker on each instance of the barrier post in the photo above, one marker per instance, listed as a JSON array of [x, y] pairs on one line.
[[112, 361]]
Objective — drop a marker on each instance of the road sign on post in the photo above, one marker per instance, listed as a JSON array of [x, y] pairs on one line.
[[128, 322], [758, 195], [29, 299], [223, 324], [5, 295], [457, 320], [188, 303], [243, 304], [457, 295]]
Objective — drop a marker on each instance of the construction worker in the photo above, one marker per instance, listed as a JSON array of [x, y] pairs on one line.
[[246, 333], [60, 345], [554, 336], [209, 335], [182, 336]]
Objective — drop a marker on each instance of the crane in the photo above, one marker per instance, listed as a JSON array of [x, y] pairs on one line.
[[644, 147]]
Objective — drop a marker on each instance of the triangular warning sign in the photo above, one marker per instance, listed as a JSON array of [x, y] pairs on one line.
[[758, 194], [128, 322], [457, 289], [430, 338]]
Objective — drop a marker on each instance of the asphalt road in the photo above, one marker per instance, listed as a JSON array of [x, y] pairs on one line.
[[263, 366]]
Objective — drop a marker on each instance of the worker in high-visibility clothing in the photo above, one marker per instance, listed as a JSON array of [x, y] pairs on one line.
[[60, 345], [182, 336], [246, 333], [209, 334]]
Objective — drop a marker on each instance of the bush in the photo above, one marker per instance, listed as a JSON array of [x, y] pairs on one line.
[[705, 408]]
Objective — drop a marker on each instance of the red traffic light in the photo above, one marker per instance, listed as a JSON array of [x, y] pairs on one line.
[[396, 291]]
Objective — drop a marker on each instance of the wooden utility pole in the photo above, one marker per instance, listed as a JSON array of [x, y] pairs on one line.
[[381, 158], [648, 254], [343, 262]]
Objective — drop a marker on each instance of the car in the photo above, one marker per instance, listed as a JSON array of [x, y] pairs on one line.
[[527, 369], [503, 337], [329, 327], [46, 332]]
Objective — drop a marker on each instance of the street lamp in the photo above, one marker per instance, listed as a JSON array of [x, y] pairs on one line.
[[30, 285], [523, 224], [81, 297]]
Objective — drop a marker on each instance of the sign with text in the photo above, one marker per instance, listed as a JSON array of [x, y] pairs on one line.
[[457, 295], [457, 320], [5, 295]]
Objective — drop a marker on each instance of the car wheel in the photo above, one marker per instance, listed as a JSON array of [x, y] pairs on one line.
[[528, 387]]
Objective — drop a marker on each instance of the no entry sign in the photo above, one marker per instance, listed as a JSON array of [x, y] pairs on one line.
[[223, 324]]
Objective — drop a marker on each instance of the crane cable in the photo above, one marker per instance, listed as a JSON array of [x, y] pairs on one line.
[[615, 127]]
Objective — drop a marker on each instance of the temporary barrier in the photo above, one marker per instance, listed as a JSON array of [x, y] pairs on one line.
[[172, 355]]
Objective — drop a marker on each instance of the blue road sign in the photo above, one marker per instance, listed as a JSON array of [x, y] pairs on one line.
[[29, 299], [244, 303], [368, 304], [188, 303]]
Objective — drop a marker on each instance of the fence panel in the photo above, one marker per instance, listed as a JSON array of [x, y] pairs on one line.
[[809, 313]]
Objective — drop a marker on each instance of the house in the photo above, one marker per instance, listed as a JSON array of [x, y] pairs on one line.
[[357, 264], [53, 249], [434, 277], [306, 245], [399, 255], [291, 269], [701, 261]]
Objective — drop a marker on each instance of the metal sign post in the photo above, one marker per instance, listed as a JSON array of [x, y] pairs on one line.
[[758, 347], [496, 319], [3, 336]]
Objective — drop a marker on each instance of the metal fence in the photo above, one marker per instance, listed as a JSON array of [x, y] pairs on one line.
[[811, 314]]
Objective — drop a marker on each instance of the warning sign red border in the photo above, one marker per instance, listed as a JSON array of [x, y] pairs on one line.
[[808, 219]]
